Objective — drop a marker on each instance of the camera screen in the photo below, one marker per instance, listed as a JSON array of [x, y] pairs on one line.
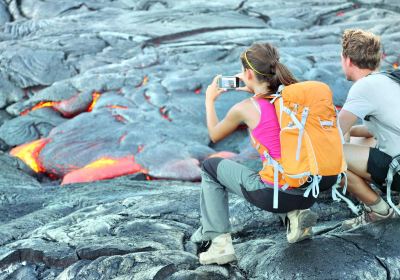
[[229, 82]]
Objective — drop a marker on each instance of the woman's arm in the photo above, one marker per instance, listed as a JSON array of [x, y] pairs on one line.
[[220, 129]]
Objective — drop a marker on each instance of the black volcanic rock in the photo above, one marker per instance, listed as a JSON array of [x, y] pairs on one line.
[[148, 64]]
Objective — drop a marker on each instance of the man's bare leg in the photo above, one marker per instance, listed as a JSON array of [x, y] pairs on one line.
[[357, 174], [358, 184]]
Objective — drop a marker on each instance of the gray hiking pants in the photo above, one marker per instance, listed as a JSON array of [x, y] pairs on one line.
[[222, 176]]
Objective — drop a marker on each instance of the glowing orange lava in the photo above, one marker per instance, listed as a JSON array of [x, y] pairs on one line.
[[29, 153], [164, 113], [104, 168], [140, 148], [42, 104], [144, 81], [197, 90], [395, 65], [117, 107], [96, 96]]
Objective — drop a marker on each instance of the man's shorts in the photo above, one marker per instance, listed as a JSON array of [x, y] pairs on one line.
[[378, 166]]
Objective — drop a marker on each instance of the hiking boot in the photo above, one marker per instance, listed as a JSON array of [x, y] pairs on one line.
[[203, 247], [299, 226], [368, 216], [221, 251]]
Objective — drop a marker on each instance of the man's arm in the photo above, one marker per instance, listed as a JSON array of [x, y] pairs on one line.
[[360, 131], [347, 120]]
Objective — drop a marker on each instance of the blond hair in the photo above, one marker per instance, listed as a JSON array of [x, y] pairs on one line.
[[362, 47]]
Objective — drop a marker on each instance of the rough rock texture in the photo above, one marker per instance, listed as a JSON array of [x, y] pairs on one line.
[[120, 78], [129, 229], [147, 64]]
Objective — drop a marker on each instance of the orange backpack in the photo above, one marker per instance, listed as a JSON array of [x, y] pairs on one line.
[[310, 136]]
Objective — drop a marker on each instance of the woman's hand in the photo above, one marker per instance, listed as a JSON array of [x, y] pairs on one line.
[[213, 91], [245, 88]]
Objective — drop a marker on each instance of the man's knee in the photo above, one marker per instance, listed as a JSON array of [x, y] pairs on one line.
[[210, 166]]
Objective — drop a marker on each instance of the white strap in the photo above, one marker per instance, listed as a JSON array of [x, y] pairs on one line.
[[337, 196], [345, 182], [277, 169], [326, 123], [276, 184], [293, 117], [314, 187], [299, 175], [275, 96], [285, 187], [304, 116], [256, 105]]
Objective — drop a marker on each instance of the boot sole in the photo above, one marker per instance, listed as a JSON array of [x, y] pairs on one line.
[[220, 260]]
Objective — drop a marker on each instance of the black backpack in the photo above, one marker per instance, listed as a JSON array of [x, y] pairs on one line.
[[393, 74], [394, 167]]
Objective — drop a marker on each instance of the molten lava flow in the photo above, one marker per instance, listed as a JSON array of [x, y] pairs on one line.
[[119, 118], [223, 154], [140, 148], [395, 65], [339, 14], [164, 113], [122, 138], [40, 105], [29, 153], [96, 96], [197, 90], [144, 81], [117, 107], [61, 105], [104, 168]]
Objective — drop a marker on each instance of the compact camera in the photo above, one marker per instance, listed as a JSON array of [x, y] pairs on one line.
[[229, 82]]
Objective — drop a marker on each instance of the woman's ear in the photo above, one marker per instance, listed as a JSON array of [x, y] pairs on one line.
[[249, 74]]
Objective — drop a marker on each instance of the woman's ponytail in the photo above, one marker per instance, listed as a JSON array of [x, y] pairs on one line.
[[263, 59], [284, 75]]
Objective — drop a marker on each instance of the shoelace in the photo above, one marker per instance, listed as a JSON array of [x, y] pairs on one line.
[[204, 245], [363, 217]]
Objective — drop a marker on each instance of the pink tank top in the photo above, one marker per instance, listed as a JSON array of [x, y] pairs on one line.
[[267, 130]]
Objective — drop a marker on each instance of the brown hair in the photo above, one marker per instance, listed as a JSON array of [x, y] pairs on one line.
[[263, 59], [362, 47]]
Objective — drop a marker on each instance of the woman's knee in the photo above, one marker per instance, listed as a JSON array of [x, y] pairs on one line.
[[210, 166]]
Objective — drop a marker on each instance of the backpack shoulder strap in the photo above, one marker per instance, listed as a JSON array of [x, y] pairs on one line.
[[393, 74]]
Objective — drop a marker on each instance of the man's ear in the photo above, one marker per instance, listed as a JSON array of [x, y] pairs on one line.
[[348, 62]]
